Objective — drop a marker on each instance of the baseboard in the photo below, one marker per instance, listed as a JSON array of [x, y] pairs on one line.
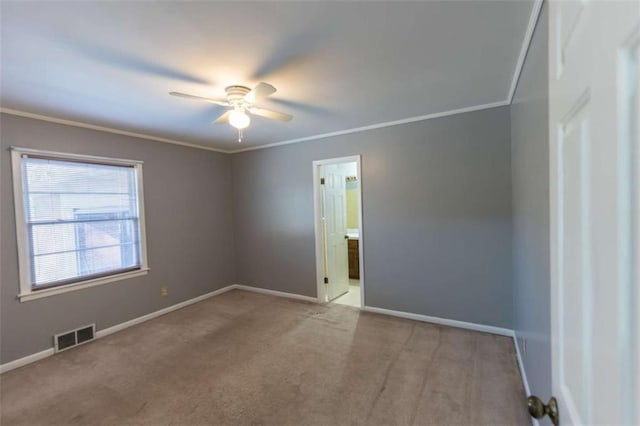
[[469, 326], [275, 293], [521, 365], [152, 315], [442, 321], [17, 363], [407, 315], [523, 373], [107, 331], [400, 314]]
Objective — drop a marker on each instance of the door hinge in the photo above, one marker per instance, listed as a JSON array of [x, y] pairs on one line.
[[321, 181], [326, 280]]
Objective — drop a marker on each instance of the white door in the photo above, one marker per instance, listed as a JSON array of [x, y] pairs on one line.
[[335, 225], [594, 69]]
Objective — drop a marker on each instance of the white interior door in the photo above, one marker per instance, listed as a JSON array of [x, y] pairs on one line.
[[335, 225], [594, 112]]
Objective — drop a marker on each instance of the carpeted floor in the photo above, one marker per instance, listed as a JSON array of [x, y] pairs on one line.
[[246, 358]]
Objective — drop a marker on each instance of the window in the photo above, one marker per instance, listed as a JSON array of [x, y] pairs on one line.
[[79, 221]]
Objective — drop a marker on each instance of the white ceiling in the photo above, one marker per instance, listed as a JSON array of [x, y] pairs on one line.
[[336, 65]]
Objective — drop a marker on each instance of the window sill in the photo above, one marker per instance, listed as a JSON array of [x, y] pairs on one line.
[[39, 294]]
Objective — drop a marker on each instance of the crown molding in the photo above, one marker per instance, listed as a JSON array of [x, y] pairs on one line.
[[526, 42], [105, 129], [375, 126], [271, 145]]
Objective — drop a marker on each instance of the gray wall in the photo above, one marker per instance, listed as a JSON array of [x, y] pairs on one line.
[[437, 216], [189, 235], [530, 158], [437, 223]]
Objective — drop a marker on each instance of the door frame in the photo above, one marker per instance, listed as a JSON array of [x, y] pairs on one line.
[[317, 193]]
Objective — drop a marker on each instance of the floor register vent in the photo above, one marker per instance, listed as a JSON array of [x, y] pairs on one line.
[[70, 339]]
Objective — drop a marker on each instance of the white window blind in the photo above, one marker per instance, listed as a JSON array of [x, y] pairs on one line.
[[82, 219]]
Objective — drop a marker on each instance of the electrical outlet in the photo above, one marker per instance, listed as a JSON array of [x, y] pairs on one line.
[[164, 291]]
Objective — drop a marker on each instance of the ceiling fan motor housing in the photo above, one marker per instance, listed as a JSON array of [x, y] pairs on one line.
[[241, 100], [236, 94]]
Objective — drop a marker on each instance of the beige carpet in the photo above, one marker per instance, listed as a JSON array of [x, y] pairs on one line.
[[246, 358]]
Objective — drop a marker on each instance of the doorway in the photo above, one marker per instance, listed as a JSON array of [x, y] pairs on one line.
[[337, 191]]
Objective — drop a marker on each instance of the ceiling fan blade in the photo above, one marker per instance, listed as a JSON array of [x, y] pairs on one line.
[[199, 98], [262, 90], [223, 119], [274, 115]]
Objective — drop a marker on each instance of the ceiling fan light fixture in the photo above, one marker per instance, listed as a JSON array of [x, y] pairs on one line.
[[240, 103], [239, 119]]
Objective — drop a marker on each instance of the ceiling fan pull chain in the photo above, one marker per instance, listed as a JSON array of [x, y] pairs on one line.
[[239, 135]]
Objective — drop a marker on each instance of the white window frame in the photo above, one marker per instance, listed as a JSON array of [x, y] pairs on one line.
[[26, 292]]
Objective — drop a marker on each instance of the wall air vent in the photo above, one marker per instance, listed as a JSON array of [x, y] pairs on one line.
[[69, 339]]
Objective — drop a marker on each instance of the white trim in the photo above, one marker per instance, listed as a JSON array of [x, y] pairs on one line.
[[107, 331], [318, 237], [337, 160], [26, 292], [523, 374], [317, 220], [82, 157], [274, 293], [114, 329], [152, 315], [46, 292], [442, 321], [270, 145], [106, 129], [20, 362], [526, 41], [360, 235], [24, 260], [376, 126], [142, 224]]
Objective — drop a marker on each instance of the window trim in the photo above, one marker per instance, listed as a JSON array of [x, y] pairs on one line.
[[26, 292]]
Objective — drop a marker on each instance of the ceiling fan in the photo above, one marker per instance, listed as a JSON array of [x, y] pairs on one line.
[[241, 102]]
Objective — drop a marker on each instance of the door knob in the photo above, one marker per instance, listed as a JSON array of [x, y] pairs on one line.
[[538, 409]]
